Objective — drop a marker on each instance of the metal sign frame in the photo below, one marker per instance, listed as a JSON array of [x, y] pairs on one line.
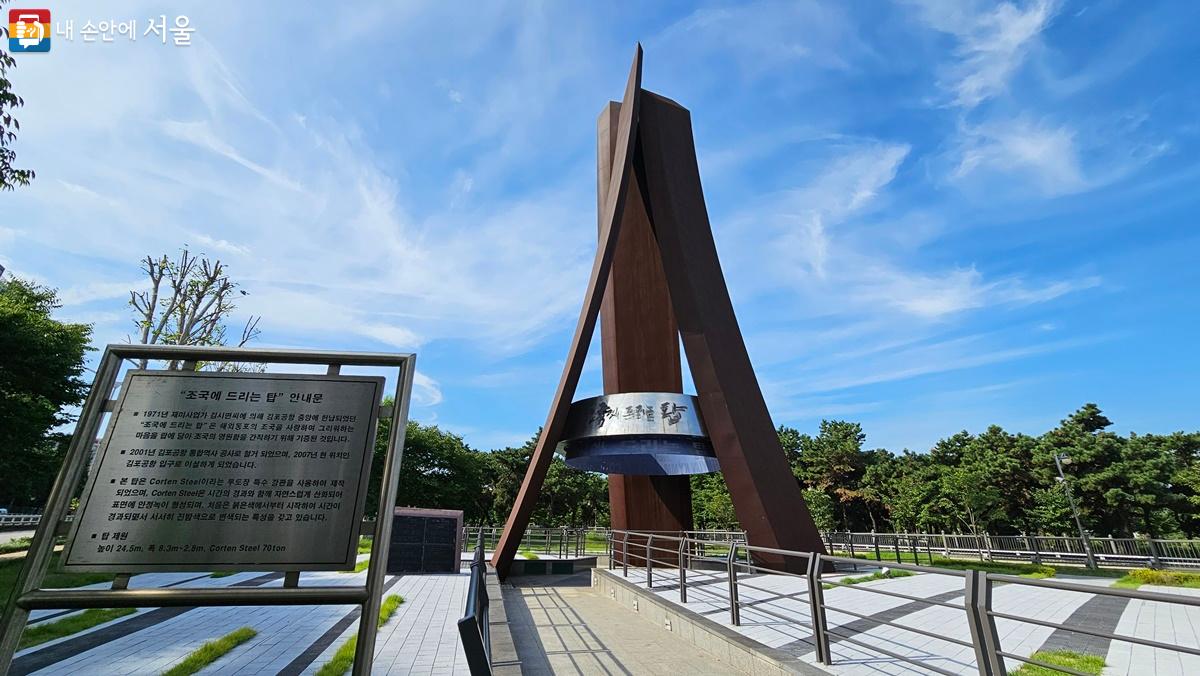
[[27, 594], [349, 554]]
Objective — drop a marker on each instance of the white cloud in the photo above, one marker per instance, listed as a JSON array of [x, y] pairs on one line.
[[201, 135], [1047, 154], [215, 245], [768, 35], [993, 42], [327, 241], [426, 391], [810, 239], [98, 290]]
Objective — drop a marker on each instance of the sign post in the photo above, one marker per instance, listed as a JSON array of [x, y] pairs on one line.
[[214, 471]]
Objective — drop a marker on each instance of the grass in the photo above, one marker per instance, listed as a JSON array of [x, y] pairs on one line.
[[1089, 664], [364, 545], [211, 652], [529, 555], [53, 580], [1167, 578], [48, 631], [224, 573], [343, 659], [16, 545], [358, 567], [595, 542], [1030, 570], [877, 575]]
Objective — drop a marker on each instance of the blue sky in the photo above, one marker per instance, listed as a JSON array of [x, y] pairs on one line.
[[932, 215]]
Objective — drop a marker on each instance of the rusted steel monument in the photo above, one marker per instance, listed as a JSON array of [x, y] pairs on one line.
[[656, 278]]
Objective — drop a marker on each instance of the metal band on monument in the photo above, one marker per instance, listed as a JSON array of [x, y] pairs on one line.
[[644, 433]]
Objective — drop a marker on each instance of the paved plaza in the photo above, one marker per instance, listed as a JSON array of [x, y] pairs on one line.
[[560, 626], [773, 606], [420, 638]]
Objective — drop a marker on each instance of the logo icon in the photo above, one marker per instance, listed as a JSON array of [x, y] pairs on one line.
[[28, 30]]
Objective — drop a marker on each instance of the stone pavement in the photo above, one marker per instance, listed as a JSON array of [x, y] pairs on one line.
[[421, 638], [560, 626], [1163, 622], [775, 612]]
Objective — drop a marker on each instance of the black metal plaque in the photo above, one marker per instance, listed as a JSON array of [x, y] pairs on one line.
[[425, 541]]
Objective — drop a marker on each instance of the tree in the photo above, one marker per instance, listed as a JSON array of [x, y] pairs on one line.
[[712, 506], [506, 472], [1185, 483], [820, 506], [10, 177], [571, 497], [188, 303], [41, 368], [1092, 469], [437, 470], [833, 462], [907, 487]]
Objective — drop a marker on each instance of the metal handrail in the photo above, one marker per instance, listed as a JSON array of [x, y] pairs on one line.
[[977, 603], [474, 628], [1151, 552]]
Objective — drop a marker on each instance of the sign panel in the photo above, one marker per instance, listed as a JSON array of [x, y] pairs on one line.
[[425, 541], [229, 471]]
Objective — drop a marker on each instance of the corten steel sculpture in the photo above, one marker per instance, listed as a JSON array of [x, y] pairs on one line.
[[656, 275]]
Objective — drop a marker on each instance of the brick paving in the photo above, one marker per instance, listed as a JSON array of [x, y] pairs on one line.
[[421, 637], [1163, 622], [775, 612], [571, 630]]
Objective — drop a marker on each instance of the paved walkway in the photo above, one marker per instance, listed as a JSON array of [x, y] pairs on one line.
[[421, 638], [1165, 622], [775, 612], [560, 626]]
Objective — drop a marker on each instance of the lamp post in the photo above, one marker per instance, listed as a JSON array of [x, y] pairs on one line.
[[1059, 459]]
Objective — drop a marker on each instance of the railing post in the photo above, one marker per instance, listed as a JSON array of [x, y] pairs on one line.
[[610, 550], [987, 542], [875, 544], [683, 566], [1033, 545], [896, 546], [945, 547], [984, 638], [1155, 561], [816, 604], [649, 563], [735, 613], [625, 554]]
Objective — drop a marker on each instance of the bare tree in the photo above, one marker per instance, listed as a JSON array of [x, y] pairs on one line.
[[188, 303]]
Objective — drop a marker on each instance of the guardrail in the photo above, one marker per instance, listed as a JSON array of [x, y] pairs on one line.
[[657, 550], [564, 542], [474, 629], [19, 520], [1124, 552]]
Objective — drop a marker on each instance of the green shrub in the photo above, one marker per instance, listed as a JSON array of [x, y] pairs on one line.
[[1167, 578], [15, 545]]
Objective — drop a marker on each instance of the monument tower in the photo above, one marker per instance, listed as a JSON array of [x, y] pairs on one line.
[[656, 278]]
